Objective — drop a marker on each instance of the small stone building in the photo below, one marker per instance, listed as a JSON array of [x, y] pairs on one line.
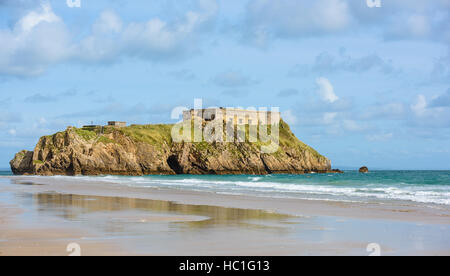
[[117, 124]]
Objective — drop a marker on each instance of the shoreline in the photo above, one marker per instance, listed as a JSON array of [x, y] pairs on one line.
[[385, 210], [167, 173]]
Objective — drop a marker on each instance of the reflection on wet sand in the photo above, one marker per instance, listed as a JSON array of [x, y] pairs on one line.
[[73, 207], [111, 221], [27, 183], [115, 225]]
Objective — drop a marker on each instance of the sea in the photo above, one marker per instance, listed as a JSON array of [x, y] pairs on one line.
[[351, 186]]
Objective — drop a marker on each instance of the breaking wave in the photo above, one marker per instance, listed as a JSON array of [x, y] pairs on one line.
[[422, 187]]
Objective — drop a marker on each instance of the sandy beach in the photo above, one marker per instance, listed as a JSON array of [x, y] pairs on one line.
[[42, 215]]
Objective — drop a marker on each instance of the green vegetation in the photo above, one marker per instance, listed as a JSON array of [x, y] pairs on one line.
[[87, 135], [155, 135], [205, 147], [288, 139], [160, 134], [234, 150], [105, 140], [96, 129], [38, 162], [108, 129]]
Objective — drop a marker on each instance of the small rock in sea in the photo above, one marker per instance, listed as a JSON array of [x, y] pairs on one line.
[[363, 170]]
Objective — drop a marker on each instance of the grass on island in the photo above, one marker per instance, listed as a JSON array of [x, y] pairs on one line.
[[87, 135], [160, 134], [155, 135], [152, 134], [289, 140], [105, 140]]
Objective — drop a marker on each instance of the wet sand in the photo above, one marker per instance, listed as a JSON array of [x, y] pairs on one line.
[[18, 238], [41, 216]]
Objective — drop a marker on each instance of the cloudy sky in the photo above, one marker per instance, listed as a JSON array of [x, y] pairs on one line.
[[363, 85]]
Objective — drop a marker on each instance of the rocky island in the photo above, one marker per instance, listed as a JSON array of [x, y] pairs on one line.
[[364, 169], [149, 149]]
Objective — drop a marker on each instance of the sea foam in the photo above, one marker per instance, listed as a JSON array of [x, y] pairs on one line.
[[413, 186]]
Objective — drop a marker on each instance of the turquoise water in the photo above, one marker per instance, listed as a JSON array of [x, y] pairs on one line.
[[414, 186], [5, 172]]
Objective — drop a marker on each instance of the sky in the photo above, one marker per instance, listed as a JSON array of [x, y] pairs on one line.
[[363, 82]]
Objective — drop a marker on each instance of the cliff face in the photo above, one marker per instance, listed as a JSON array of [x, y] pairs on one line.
[[149, 149]]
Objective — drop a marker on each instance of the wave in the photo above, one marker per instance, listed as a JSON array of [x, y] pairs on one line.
[[288, 186]]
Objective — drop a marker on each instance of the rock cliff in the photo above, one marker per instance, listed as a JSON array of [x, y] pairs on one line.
[[149, 149]]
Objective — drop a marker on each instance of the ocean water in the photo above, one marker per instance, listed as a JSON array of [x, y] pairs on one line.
[[414, 186], [5, 172]]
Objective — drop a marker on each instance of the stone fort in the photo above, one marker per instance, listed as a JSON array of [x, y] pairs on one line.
[[233, 115]]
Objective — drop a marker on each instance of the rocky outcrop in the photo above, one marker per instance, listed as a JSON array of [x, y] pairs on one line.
[[363, 170], [22, 163], [149, 149]]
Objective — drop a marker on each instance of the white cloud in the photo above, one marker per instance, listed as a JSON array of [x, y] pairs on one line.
[[154, 39], [429, 115], [36, 41], [408, 19], [396, 19], [418, 25], [34, 18], [108, 22], [40, 39], [13, 132], [331, 15], [326, 90], [420, 107], [287, 18], [411, 26]]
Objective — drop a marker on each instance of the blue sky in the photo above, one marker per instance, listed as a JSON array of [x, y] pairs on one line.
[[364, 86]]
